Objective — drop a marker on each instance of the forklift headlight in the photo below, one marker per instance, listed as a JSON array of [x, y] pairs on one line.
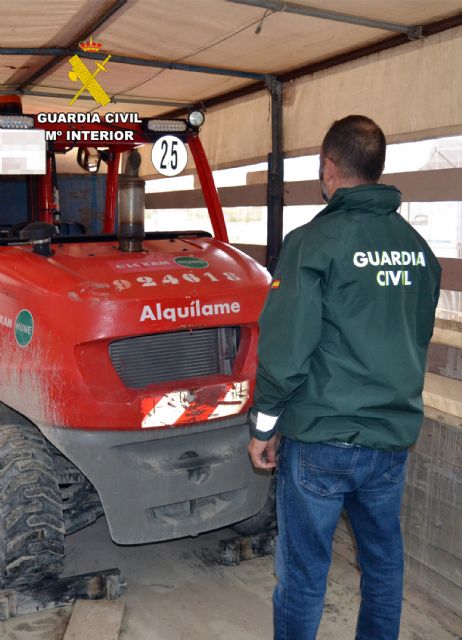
[[166, 126], [196, 118], [16, 122]]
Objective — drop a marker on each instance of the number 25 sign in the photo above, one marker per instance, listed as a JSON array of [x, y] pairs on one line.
[[169, 156]]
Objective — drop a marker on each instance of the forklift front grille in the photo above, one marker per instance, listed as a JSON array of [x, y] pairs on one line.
[[163, 357]]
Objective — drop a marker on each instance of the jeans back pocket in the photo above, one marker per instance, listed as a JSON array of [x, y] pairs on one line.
[[324, 467], [397, 468]]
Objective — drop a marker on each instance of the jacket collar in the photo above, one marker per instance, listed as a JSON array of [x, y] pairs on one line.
[[380, 198]]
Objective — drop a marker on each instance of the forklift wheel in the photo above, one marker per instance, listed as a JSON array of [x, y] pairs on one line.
[[265, 519], [31, 518]]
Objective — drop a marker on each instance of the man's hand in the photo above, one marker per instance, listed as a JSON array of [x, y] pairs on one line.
[[263, 454]]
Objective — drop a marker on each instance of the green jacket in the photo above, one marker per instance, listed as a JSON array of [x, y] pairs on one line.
[[346, 325]]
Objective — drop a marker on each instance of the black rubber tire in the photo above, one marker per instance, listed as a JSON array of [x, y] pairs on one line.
[[265, 519], [31, 515], [80, 500]]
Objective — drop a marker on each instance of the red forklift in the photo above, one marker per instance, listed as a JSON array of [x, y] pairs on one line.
[[128, 358]]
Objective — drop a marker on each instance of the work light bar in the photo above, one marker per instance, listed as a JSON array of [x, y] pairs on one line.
[[169, 126], [16, 122]]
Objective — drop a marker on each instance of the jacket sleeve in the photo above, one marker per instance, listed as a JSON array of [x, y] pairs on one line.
[[290, 330]]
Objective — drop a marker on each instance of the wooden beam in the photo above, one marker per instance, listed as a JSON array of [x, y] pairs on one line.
[[188, 199], [95, 620], [243, 196], [58, 592], [443, 394], [445, 361], [439, 185], [448, 332]]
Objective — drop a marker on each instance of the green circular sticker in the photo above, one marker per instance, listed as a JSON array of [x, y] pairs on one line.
[[24, 327], [191, 262]]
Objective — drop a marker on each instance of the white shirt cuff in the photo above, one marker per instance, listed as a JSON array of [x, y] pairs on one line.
[[265, 423]]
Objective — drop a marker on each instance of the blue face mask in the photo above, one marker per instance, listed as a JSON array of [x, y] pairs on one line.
[[324, 195]]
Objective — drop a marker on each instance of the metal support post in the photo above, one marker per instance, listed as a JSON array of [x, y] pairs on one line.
[[275, 194]]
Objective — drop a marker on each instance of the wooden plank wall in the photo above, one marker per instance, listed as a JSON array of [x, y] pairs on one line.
[[432, 510], [442, 185]]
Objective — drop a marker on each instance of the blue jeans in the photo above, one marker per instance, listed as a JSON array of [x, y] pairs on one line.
[[315, 482]]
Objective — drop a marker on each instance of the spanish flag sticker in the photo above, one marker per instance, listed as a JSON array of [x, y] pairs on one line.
[[275, 284]]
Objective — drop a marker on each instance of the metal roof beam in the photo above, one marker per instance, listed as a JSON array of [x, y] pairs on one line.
[[178, 66], [114, 100], [96, 24], [412, 32], [140, 62]]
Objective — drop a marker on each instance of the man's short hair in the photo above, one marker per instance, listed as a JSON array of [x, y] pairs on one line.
[[356, 145]]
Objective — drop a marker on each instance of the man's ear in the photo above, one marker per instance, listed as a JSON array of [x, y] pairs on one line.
[[330, 170]]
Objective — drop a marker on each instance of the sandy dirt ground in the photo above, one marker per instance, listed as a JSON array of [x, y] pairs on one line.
[[176, 591]]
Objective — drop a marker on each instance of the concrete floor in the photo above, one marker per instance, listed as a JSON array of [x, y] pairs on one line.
[[176, 592]]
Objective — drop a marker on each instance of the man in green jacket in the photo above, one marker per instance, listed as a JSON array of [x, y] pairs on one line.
[[342, 350]]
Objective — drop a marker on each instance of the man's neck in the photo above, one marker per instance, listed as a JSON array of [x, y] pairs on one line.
[[348, 183]]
